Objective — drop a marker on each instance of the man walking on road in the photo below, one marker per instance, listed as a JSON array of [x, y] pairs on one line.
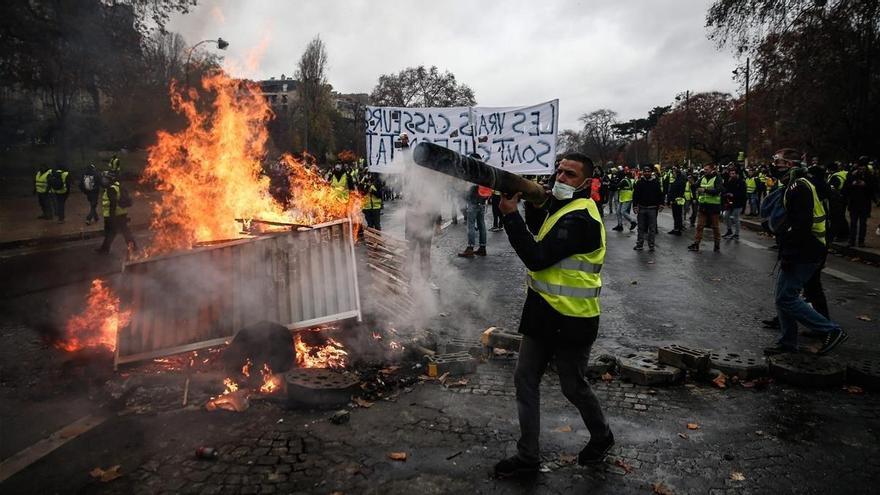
[[802, 251], [475, 218], [647, 202], [560, 318], [709, 198], [41, 189], [59, 189], [115, 215], [736, 194], [676, 198], [89, 184], [625, 196]]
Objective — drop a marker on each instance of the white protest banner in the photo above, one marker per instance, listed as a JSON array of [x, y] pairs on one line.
[[521, 140]]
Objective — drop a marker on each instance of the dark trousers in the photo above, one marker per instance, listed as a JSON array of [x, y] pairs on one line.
[[373, 218], [815, 294], [571, 360], [647, 222], [837, 220], [45, 204], [496, 212], [116, 225], [59, 201], [677, 214], [858, 225], [93, 207]]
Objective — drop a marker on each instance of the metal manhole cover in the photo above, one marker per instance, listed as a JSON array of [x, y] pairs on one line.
[[643, 368], [807, 370], [864, 372], [745, 366], [319, 387]]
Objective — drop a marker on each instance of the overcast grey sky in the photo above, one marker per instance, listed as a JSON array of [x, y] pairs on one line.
[[626, 55]]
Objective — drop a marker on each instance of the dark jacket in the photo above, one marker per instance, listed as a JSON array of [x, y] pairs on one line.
[[647, 193], [676, 189], [717, 189], [735, 189], [858, 191], [473, 197], [797, 244], [574, 233]]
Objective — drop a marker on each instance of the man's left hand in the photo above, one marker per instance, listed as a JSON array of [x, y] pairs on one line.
[[508, 205]]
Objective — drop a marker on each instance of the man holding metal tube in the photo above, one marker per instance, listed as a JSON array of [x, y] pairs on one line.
[[562, 243]]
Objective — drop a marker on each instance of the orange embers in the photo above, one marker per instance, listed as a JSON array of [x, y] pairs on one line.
[[271, 382], [97, 324], [330, 355], [210, 173]]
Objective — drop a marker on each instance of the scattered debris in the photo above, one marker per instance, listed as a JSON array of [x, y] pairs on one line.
[[626, 467], [340, 417], [458, 383], [453, 456], [693, 426], [363, 403], [716, 279], [236, 401], [563, 429], [607, 378], [660, 489], [105, 475], [634, 282], [397, 456], [758, 383], [209, 453], [864, 318], [683, 435], [720, 381], [854, 389], [567, 459], [737, 476]]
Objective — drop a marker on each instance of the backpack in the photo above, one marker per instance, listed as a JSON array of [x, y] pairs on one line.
[[773, 210], [484, 192], [89, 183], [56, 180], [124, 199]]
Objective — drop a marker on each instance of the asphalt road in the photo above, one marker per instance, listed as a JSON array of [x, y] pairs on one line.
[[709, 300]]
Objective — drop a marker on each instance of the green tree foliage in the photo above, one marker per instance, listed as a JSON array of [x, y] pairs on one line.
[[421, 87]]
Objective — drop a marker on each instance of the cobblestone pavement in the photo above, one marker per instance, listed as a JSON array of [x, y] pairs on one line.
[[686, 438]]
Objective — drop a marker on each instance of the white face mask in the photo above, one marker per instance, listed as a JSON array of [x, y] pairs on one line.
[[564, 191]]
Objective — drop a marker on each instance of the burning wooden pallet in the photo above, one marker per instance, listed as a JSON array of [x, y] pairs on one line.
[[388, 261]]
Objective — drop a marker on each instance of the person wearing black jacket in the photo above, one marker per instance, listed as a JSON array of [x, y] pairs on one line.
[[709, 192], [647, 202], [558, 321], [858, 191], [90, 185], [802, 251], [675, 198], [735, 192]]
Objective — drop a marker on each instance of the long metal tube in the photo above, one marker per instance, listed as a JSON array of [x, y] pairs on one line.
[[448, 162]]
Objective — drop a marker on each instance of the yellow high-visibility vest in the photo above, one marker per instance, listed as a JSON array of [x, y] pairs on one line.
[[709, 199], [626, 190], [818, 228], [373, 201], [688, 194], [751, 185], [42, 181], [63, 189], [340, 185], [572, 286], [105, 202]]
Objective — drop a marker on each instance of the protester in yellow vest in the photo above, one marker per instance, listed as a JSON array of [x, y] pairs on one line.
[[709, 197], [341, 182], [115, 215], [560, 319], [372, 205], [59, 190], [41, 189], [625, 196], [114, 166]]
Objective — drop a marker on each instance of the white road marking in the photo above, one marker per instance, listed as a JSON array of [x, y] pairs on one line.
[[842, 276], [44, 447], [753, 244]]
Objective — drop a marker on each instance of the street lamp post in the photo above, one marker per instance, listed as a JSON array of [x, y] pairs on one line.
[[687, 122], [746, 123], [221, 44]]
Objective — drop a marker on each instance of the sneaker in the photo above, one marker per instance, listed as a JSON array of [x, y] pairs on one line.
[[832, 340], [778, 349], [637, 248], [735, 237], [728, 234], [595, 452], [514, 466], [651, 249], [772, 323], [694, 247], [632, 226], [619, 228], [481, 251], [467, 253], [717, 248]]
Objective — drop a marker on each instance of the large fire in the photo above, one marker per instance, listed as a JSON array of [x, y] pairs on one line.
[[331, 355], [97, 324], [210, 173]]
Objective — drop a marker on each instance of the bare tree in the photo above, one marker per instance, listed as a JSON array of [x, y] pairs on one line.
[[421, 87], [600, 137], [315, 95]]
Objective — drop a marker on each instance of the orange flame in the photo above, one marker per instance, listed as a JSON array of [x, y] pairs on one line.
[[230, 385], [96, 326], [331, 355], [271, 382], [246, 369], [210, 173]]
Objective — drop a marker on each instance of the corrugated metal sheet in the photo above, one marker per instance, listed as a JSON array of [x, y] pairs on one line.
[[199, 298]]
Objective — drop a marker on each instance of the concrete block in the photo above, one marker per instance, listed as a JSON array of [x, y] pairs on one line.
[[456, 363], [744, 366], [600, 363], [684, 357], [864, 372], [643, 368], [497, 338], [807, 370], [457, 344]]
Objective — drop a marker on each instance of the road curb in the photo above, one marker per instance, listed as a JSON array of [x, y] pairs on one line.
[[835, 246], [55, 239]]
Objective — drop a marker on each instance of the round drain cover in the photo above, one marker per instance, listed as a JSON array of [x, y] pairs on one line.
[[745, 366], [807, 370], [643, 368]]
